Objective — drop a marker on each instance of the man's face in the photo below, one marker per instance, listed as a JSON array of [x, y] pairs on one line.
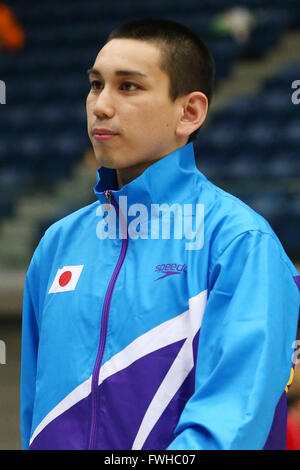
[[129, 98]]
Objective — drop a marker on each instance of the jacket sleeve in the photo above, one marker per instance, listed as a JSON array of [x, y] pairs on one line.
[[245, 348], [30, 339]]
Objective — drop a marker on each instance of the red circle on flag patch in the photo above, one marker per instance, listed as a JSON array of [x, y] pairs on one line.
[[65, 278]]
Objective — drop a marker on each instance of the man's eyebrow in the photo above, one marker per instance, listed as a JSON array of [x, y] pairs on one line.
[[93, 71], [118, 73], [130, 72]]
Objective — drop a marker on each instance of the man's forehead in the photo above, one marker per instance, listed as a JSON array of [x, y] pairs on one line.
[[132, 54]]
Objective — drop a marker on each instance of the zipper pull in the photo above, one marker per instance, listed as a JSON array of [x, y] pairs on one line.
[[107, 200]]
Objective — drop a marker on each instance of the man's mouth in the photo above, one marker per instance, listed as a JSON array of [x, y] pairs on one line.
[[103, 134]]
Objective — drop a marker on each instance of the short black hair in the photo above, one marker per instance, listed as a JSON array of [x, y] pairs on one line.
[[184, 56]]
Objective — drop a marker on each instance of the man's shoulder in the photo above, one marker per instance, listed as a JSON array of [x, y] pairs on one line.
[[225, 209], [228, 219]]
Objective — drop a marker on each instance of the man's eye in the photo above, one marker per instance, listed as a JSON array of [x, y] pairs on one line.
[[129, 86], [96, 85]]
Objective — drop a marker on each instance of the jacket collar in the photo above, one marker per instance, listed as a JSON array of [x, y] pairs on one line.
[[164, 181]]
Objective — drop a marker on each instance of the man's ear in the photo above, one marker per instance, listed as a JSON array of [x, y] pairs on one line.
[[193, 113]]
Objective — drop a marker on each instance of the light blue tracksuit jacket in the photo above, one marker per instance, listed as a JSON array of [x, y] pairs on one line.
[[165, 319]]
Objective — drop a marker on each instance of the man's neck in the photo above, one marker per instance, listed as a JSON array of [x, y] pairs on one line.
[[126, 175]]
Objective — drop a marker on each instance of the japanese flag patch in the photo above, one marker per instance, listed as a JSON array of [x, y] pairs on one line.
[[66, 279]]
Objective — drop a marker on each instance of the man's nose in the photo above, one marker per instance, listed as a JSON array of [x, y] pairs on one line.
[[104, 106]]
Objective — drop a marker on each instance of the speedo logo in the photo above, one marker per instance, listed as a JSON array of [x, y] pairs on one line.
[[169, 269]]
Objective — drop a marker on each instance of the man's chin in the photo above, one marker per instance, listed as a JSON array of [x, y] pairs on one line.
[[109, 161]]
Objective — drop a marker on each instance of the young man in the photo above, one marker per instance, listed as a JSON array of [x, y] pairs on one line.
[[140, 333]]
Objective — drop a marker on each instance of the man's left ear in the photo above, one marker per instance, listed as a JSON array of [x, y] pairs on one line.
[[193, 110]]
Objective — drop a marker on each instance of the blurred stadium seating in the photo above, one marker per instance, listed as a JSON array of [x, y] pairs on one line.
[[250, 147]]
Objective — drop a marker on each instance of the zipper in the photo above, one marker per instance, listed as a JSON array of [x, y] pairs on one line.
[[107, 194], [109, 198]]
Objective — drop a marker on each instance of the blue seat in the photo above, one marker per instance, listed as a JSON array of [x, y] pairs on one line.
[[284, 164], [269, 203], [291, 134], [13, 178], [262, 135], [244, 168], [276, 101], [242, 109]]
